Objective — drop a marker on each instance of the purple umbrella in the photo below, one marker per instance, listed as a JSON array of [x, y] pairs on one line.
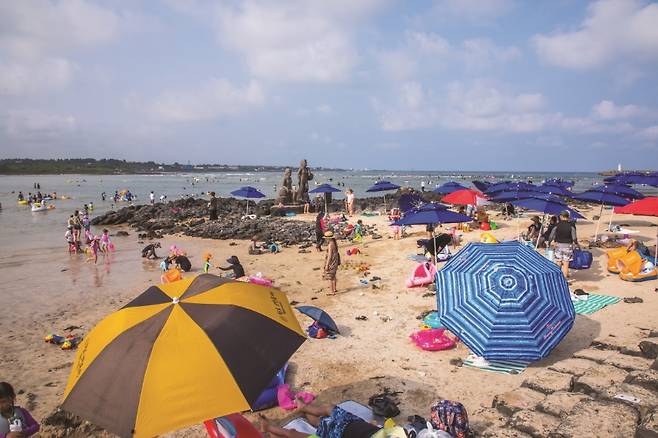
[[619, 190], [383, 186], [516, 195], [325, 188], [249, 193]]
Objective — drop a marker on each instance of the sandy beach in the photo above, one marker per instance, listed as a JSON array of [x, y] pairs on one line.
[[368, 357]]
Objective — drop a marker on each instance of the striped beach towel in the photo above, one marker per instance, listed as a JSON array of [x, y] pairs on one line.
[[594, 303], [498, 366]]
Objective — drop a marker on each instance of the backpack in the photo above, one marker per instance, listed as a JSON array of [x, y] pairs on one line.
[[450, 417]]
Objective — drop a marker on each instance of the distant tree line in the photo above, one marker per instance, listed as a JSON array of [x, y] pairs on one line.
[[108, 166]]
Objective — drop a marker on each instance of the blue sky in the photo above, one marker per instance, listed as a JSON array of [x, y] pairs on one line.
[[435, 85]]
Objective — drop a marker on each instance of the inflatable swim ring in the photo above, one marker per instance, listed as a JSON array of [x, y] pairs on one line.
[[432, 321], [260, 280], [432, 340], [422, 276], [488, 238], [613, 257], [22, 202]]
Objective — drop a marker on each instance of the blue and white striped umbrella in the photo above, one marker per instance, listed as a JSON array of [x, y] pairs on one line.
[[504, 301]]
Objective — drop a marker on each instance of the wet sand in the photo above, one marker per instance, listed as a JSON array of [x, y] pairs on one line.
[[47, 291]]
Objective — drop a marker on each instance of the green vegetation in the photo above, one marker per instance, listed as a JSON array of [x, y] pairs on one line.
[[26, 166]]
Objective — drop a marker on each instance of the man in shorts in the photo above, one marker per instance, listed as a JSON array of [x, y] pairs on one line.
[[565, 239]]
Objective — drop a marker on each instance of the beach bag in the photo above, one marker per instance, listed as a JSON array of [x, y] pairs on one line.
[[581, 260], [450, 417]]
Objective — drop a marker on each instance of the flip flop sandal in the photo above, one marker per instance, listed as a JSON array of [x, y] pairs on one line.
[[383, 406]]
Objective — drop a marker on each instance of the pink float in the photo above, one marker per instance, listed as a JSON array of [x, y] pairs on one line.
[[423, 275], [432, 340]]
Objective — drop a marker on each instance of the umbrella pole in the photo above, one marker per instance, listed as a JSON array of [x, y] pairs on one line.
[[655, 258], [384, 203], [612, 213], [247, 213], [598, 224]]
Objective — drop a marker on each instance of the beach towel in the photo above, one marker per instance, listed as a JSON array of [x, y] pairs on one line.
[[498, 366], [354, 408], [594, 303]]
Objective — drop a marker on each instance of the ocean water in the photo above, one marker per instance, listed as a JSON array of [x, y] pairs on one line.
[[23, 231]]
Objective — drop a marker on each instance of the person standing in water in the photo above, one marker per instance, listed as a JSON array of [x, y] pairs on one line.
[[152, 197], [213, 205]]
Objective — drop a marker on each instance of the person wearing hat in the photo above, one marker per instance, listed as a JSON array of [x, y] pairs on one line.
[[235, 265], [213, 205], [331, 261]]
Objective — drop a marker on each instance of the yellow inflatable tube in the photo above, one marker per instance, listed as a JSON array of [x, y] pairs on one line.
[[613, 257], [488, 238]]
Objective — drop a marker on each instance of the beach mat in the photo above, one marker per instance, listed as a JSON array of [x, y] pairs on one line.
[[594, 303], [500, 366]]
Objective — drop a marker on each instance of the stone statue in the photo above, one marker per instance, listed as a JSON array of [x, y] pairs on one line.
[[304, 175], [285, 192]]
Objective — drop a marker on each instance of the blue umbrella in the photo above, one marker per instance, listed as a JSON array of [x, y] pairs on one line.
[[325, 188], [448, 188], [504, 301], [619, 190], [603, 199], [383, 186], [481, 185], [409, 201], [557, 182], [432, 214], [546, 207], [320, 316], [554, 190], [516, 195], [249, 193], [507, 187]]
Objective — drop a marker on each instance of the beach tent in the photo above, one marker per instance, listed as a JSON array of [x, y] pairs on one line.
[[465, 197], [643, 207], [449, 187], [602, 198], [505, 301], [181, 353], [383, 186], [249, 193]]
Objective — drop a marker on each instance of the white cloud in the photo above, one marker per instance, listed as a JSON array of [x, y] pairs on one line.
[[324, 109], [608, 110], [35, 124], [650, 133], [482, 106], [481, 53], [613, 31], [295, 40], [47, 74], [475, 11], [214, 99], [29, 29]]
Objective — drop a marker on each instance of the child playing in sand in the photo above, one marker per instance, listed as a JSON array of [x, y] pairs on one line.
[[15, 422], [206, 262], [235, 266]]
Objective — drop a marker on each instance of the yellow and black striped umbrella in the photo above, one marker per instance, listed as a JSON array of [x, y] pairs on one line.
[[182, 353]]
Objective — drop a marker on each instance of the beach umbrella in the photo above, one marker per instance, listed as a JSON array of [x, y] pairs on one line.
[[465, 197], [546, 207], [481, 185], [383, 186], [180, 353], [516, 195], [324, 189], [619, 190], [432, 213], [448, 188], [320, 316], [601, 198], [650, 179], [557, 182], [508, 187], [249, 193], [554, 190], [409, 201], [505, 301], [644, 207]]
